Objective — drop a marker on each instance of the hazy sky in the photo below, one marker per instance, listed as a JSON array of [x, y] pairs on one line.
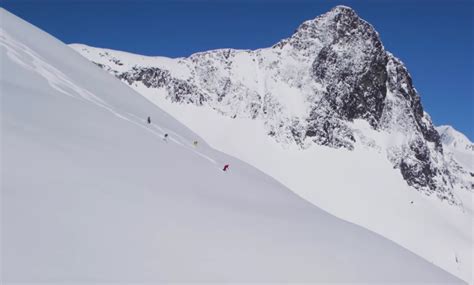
[[433, 38]]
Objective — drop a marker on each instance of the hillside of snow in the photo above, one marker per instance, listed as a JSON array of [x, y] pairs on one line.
[[331, 115], [92, 193]]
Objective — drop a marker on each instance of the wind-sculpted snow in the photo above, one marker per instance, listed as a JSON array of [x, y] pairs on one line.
[[336, 68]]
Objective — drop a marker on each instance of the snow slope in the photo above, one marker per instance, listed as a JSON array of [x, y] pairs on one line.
[[257, 97], [458, 145], [91, 193], [359, 186]]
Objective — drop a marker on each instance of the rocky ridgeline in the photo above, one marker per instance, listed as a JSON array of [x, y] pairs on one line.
[[337, 66]]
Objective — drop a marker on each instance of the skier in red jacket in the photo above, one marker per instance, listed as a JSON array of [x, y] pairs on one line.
[[226, 167]]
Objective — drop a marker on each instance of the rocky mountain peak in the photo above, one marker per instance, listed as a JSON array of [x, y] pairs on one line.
[[344, 16], [339, 24], [341, 15]]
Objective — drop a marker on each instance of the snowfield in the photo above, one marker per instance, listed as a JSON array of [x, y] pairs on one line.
[[91, 193]]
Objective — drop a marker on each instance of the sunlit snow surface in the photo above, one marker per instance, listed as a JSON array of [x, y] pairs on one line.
[[359, 186], [458, 145], [91, 193]]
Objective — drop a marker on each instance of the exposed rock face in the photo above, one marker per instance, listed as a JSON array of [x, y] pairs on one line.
[[351, 68], [309, 89], [153, 77]]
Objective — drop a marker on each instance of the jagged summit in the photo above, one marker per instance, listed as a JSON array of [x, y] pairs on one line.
[[336, 14], [339, 25], [341, 12]]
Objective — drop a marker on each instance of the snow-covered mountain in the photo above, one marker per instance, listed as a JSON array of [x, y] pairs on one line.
[[91, 193], [309, 89], [333, 116]]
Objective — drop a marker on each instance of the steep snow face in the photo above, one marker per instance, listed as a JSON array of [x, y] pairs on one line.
[[294, 111], [453, 139], [308, 90], [459, 149], [92, 193]]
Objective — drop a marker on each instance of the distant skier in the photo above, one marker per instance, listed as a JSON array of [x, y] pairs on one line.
[[165, 137], [195, 143], [149, 120], [226, 167]]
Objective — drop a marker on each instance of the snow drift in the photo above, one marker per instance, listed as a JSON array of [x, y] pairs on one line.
[[91, 192]]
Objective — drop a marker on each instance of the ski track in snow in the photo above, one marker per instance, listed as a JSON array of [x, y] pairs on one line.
[[30, 60], [162, 131]]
